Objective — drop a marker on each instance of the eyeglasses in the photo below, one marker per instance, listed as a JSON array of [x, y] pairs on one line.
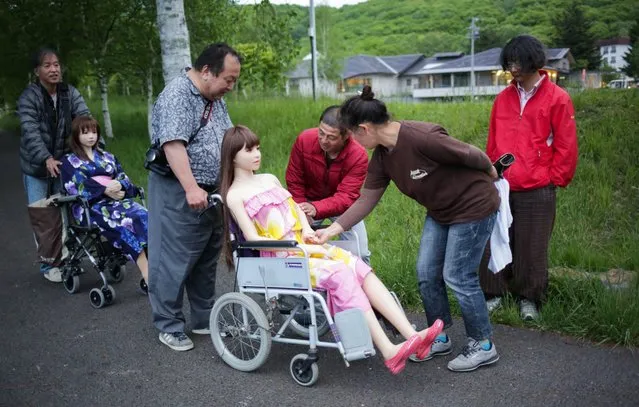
[[513, 66]]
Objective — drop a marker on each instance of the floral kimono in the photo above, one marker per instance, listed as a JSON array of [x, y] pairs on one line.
[[123, 223]]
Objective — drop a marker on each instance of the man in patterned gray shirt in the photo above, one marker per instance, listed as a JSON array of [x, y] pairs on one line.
[[189, 120]]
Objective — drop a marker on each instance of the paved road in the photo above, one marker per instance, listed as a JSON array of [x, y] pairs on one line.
[[56, 350]]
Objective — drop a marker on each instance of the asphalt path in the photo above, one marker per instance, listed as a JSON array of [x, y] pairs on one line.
[[56, 350]]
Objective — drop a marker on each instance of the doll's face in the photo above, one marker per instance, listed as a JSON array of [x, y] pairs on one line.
[[248, 158], [88, 138]]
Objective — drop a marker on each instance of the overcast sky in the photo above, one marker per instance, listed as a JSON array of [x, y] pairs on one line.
[[333, 3]]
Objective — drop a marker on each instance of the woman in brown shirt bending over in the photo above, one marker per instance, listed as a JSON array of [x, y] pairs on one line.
[[454, 181]]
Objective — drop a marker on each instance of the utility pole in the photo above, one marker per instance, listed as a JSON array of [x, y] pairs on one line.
[[473, 34], [311, 34]]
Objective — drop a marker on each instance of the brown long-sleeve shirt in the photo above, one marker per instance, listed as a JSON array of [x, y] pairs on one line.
[[449, 177]]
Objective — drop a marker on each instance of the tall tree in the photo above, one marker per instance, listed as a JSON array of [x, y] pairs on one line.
[[632, 56], [573, 31], [174, 37]]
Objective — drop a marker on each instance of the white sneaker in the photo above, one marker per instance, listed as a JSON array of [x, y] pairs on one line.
[[54, 275], [176, 340], [202, 331], [493, 304], [528, 310]]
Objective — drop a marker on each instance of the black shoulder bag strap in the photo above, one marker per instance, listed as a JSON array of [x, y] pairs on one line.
[[204, 119]]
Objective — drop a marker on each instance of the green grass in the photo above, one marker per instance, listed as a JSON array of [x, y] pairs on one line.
[[597, 225]]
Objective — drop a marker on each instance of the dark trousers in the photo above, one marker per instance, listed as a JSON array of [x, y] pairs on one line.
[[183, 252], [527, 276]]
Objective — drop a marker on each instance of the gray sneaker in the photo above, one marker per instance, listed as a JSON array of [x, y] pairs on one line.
[[493, 304], [473, 356], [528, 310], [176, 340], [439, 348]]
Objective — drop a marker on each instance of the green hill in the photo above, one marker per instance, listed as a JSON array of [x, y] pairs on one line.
[[387, 27]]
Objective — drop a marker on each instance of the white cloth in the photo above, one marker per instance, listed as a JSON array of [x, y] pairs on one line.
[[500, 254]]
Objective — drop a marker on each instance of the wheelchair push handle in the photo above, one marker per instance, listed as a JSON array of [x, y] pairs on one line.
[[503, 163]]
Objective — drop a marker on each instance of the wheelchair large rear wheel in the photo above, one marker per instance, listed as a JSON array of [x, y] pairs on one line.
[[240, 332]]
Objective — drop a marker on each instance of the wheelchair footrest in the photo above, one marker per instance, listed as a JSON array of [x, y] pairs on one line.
[[354, 334]]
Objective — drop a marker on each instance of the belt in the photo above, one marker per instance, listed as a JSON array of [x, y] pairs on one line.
[[208, 188]]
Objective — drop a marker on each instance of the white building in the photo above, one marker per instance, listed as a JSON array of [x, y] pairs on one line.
[[613, 51]]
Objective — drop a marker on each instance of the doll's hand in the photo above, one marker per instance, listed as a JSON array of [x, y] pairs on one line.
[[309, 237], [113, 186], [116, 196]]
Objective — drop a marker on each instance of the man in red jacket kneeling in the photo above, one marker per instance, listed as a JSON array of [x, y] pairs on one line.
[[325, 173], [535, 120]]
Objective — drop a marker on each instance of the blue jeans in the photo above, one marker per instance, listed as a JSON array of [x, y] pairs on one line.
[[449, 255], [36, 189]]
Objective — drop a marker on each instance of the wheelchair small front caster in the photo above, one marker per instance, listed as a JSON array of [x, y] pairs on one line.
[[97, 298], [144, 288], [304, 373], [72, 284], [109, 294]]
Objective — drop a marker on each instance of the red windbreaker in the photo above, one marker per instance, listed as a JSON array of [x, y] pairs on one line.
[[543, 137], [331, 189]]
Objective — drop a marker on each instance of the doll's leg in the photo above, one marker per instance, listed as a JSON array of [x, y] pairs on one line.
[[382, 300], [143, 265]]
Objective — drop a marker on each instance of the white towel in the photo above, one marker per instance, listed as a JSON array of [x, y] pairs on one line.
[[500, 254]]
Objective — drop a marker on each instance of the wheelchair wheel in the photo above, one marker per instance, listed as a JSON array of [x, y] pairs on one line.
[[97, 298], [71, 284], [303, 373], [240, 332], [116, 273], [109, 294], [302, 319]]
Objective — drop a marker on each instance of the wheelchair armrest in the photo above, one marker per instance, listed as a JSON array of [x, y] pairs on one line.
[[69, 199], [267, 244]]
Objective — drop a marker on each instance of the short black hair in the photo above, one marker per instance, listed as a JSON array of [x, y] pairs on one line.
[[330, 116], [363, 108], [213, 57], [526, 51], [39, 55]]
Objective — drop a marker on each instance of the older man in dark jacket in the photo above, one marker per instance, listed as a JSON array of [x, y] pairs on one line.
[[46, 109]]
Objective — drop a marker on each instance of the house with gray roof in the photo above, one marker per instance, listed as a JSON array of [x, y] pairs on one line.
[[451, 78], [443, 75], [382, 73]]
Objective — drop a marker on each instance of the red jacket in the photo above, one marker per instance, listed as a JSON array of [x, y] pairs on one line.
[[548, 117], [330, 189]]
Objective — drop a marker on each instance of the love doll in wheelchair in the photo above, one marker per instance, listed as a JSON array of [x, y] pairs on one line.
[[271, 221], [104, 223]]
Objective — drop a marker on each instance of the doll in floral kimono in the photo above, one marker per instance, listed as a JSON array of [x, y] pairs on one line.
[[97, 176]]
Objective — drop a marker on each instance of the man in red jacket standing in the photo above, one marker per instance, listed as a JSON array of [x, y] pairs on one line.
[[325, 173], [535, 120]]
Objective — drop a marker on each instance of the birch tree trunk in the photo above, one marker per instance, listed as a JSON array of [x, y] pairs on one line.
[[149, 97], [174, 37], [104, 97]]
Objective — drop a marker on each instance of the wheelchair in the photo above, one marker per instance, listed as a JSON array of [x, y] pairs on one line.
[[83, 241], [243, 330]]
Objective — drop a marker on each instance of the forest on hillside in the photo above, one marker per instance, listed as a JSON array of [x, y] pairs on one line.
[[390, 27]]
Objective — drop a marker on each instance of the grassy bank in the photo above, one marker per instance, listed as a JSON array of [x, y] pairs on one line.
[[597, 226]]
